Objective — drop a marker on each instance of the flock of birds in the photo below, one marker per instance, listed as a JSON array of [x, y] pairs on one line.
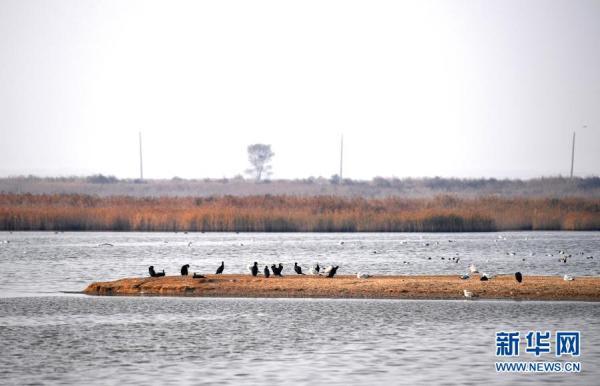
[[485, 277], [276, 270]]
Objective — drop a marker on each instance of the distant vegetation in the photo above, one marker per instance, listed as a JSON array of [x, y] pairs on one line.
[[268, 213], [378, 187]]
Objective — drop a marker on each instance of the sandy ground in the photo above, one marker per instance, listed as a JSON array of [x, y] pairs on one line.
[[399, 287]]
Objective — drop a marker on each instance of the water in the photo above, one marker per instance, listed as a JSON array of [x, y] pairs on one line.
[[46, 263], [49, 337]]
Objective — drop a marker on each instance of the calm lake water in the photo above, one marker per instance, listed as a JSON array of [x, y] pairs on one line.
[[49, 337]]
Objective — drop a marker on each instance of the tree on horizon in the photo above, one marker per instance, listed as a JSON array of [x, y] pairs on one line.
[[260, 156]]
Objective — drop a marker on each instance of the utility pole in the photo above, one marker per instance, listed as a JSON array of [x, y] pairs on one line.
[[141, 165], [573, 155], [342, 159]]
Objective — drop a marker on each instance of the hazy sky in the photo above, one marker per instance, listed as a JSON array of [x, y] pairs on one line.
[[419, 88]]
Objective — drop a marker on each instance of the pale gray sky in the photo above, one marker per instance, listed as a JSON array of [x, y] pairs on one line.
[[419, 88]]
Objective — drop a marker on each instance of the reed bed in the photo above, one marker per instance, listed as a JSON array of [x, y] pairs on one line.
[[266, 213]]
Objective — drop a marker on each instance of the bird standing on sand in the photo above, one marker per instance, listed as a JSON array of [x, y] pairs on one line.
[[469, 294], [253, 269], [518, 277], [567, 278], [221, 268], [298, 269], [362, 275], [333, 271], [473, 268], [154, 273], [266, 272], [184, 270]]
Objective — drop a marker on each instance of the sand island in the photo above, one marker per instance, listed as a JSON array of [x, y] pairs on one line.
[[344, 286]]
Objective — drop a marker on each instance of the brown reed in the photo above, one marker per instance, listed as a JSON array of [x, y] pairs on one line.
[[266, 213]]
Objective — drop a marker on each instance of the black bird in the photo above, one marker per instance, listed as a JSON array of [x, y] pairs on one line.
[[276, 271], [298, 269], [254, 269], [198, 276], [333, 271], [184, 270], [266, 271], [154, 273], [519, 277], [221, 268], [317, 268]]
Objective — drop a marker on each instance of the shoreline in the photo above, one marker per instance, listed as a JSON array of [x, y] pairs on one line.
[[430, 287]]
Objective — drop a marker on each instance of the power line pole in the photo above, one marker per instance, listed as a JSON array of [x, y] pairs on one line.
[[141, 164], [342, 159], [573, 155]]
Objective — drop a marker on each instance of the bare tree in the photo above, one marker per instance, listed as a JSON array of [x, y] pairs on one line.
[[259, 156]]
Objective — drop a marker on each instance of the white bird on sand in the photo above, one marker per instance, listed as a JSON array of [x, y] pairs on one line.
[[469, 294], [313, 271], [328, 269], [473, 268], [362, 275], [568, 278]]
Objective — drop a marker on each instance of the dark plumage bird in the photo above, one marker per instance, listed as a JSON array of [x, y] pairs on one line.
[[266, 272], [254, 269], [221, 268], [317, 268], [153, 273], [198, 276], [519, 277], [333, 271], [298, 269], [184, 270]]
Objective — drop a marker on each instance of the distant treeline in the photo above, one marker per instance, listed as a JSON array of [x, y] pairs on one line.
[[377, 187], [269, 213]]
